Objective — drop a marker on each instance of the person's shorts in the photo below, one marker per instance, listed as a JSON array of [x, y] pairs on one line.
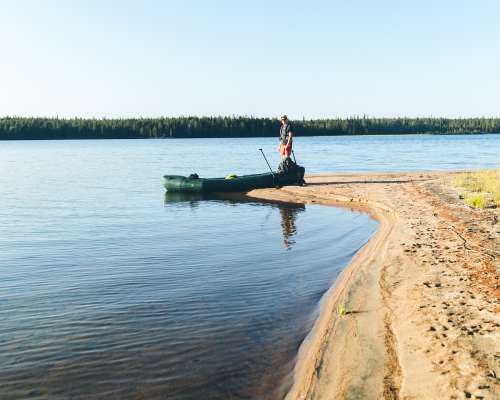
[[285, 150]]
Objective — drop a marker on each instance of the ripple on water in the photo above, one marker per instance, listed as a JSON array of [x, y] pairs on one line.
[[109, 292]]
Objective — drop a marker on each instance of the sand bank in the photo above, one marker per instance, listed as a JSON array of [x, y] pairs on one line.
[[421, 299]]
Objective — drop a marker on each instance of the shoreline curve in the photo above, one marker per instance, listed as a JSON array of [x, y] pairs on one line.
[[312, 349]]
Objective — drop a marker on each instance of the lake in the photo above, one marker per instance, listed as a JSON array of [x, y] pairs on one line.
[[109, 287]]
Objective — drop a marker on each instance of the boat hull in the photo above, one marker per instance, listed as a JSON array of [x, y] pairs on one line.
[[177, 183]]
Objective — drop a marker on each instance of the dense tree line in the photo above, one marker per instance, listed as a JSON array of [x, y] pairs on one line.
[[16, 128]]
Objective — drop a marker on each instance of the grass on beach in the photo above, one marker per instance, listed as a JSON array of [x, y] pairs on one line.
[[479, 189], [341, 311]]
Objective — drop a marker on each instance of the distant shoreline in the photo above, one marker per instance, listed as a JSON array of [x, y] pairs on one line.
[[249, 137], [38, 128]]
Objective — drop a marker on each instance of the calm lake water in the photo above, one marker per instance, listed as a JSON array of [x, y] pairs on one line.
[[109, 288]]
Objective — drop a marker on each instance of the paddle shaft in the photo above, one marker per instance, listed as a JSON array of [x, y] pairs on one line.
[[294, 159], [267, 162]]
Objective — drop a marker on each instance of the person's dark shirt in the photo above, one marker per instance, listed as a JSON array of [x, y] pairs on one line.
[[285, 133]]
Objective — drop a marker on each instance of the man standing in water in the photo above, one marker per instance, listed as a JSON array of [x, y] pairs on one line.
[[286, 135]]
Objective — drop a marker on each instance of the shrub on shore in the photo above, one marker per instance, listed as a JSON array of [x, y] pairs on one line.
[[480, 189]]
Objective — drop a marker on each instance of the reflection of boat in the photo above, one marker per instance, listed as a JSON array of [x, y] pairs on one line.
[[179, 197], [288, 211], [231, 198], [176, 183]]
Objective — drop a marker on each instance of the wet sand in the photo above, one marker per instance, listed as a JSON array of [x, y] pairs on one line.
[[416, 314]]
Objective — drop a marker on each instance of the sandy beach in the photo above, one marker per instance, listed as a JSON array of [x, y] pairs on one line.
[[415, 315]]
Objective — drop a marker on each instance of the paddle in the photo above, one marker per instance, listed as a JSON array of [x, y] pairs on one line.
[[267, 162]]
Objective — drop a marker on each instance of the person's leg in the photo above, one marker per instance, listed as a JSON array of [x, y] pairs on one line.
[[282, 151]]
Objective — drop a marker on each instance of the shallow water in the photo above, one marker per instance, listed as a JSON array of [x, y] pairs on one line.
[[110, 288], [206, 299]]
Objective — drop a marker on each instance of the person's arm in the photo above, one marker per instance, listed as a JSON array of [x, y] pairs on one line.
[[290, 134]]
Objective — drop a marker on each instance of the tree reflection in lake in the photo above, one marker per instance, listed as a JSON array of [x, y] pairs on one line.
[[288, 211]]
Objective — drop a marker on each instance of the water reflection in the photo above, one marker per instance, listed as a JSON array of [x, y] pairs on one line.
[[288, 227], [288, 211]]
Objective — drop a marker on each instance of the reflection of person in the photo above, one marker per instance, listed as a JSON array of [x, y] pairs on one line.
[[286, 136], [288, 214]]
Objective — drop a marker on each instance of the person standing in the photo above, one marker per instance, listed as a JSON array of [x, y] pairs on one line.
[[286, 137]]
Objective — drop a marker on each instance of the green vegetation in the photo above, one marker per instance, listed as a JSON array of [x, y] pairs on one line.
[[12, 128], [341, 308], [480, 189]]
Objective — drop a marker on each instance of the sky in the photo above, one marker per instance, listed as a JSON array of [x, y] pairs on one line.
[[314, 59]]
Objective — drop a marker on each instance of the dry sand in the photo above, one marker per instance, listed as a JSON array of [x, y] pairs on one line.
[[422, 298]]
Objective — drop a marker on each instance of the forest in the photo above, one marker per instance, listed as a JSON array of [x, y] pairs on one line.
[[25, 128]]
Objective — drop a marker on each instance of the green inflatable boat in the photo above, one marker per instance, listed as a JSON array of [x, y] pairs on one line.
[[232, 183]]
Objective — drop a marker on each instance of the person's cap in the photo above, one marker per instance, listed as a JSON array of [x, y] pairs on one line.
[[284, 116]]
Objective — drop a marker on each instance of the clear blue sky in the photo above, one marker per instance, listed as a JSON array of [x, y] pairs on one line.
[[261, 58]]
